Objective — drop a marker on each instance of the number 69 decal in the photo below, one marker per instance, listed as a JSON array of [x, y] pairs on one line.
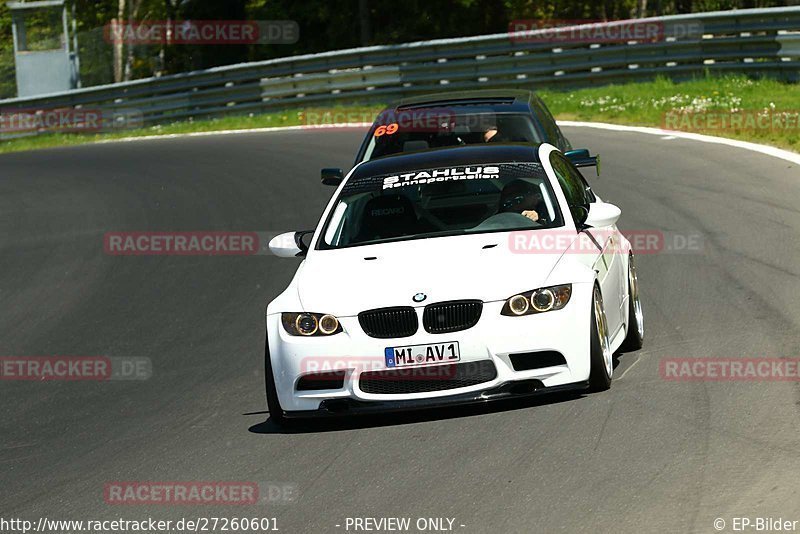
[[388, 129]]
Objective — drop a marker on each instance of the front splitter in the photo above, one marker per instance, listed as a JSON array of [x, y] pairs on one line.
[[509, 390]]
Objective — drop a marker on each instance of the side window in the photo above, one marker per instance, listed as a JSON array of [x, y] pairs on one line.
[[547, 122], [590, 196], [589, 193], [571, 181], [564, 143]]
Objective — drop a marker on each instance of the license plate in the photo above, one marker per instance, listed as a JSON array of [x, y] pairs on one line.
[[430, 354]]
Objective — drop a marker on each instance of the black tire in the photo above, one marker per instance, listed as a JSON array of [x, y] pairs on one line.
[[599, 377], [276, 413], [634, 339]]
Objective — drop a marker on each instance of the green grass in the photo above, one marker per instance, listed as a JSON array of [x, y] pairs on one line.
[[293, 117], [646, 104], [641, 104]]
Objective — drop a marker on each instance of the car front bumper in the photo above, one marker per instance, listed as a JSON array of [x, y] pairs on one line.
[[495, 338]]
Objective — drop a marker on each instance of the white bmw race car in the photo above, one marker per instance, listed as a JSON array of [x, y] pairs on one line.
[[457, 275]]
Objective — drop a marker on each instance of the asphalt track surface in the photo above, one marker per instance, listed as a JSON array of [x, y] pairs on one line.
[[649, 455]]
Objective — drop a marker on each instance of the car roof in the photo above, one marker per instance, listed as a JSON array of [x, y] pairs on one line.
[[498, 100], [448, 157]]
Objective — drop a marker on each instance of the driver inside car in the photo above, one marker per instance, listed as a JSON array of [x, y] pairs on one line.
[[490, 134], [524, 198]]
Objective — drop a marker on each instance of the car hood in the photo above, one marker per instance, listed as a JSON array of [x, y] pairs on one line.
[[347, 281]]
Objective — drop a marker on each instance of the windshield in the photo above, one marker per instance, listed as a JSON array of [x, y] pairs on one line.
[[441, 202], [412, 131]]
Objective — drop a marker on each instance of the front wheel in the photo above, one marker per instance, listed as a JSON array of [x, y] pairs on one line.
[[635, 335], [602, 365]]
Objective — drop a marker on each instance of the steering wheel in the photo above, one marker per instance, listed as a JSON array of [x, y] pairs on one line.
[[506, 220]]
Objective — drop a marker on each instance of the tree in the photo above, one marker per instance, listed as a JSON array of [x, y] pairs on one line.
[[118, 26]]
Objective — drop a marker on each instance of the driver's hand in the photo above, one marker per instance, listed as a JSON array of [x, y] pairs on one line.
[[531, 214]]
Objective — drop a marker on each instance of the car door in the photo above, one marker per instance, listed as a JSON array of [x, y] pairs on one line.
[[598, 247]]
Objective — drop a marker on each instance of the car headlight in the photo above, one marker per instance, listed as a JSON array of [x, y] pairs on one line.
[[310, 324], [540, 300]]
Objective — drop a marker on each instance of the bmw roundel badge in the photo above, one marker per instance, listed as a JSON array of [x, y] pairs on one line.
[[419, 297]]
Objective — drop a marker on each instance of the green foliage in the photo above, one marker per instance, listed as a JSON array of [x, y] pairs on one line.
[[648, 104], [324, 25], [8, 82], [641, 104]]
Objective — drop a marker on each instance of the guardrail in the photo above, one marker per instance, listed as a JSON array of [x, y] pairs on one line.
[[763, 42]]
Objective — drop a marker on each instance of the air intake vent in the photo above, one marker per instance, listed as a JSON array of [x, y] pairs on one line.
[[427, 379], [387, 323], [445, 317], [526, 361], [322, 380]]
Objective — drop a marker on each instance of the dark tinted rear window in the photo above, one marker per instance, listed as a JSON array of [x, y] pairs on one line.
[[418, 130]]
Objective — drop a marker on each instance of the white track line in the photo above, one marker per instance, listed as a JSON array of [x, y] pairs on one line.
[[754, 147]]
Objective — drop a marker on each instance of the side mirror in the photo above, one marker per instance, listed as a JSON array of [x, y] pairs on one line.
[[602, 214], [289, 244], [580, 158], [332, 176]]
